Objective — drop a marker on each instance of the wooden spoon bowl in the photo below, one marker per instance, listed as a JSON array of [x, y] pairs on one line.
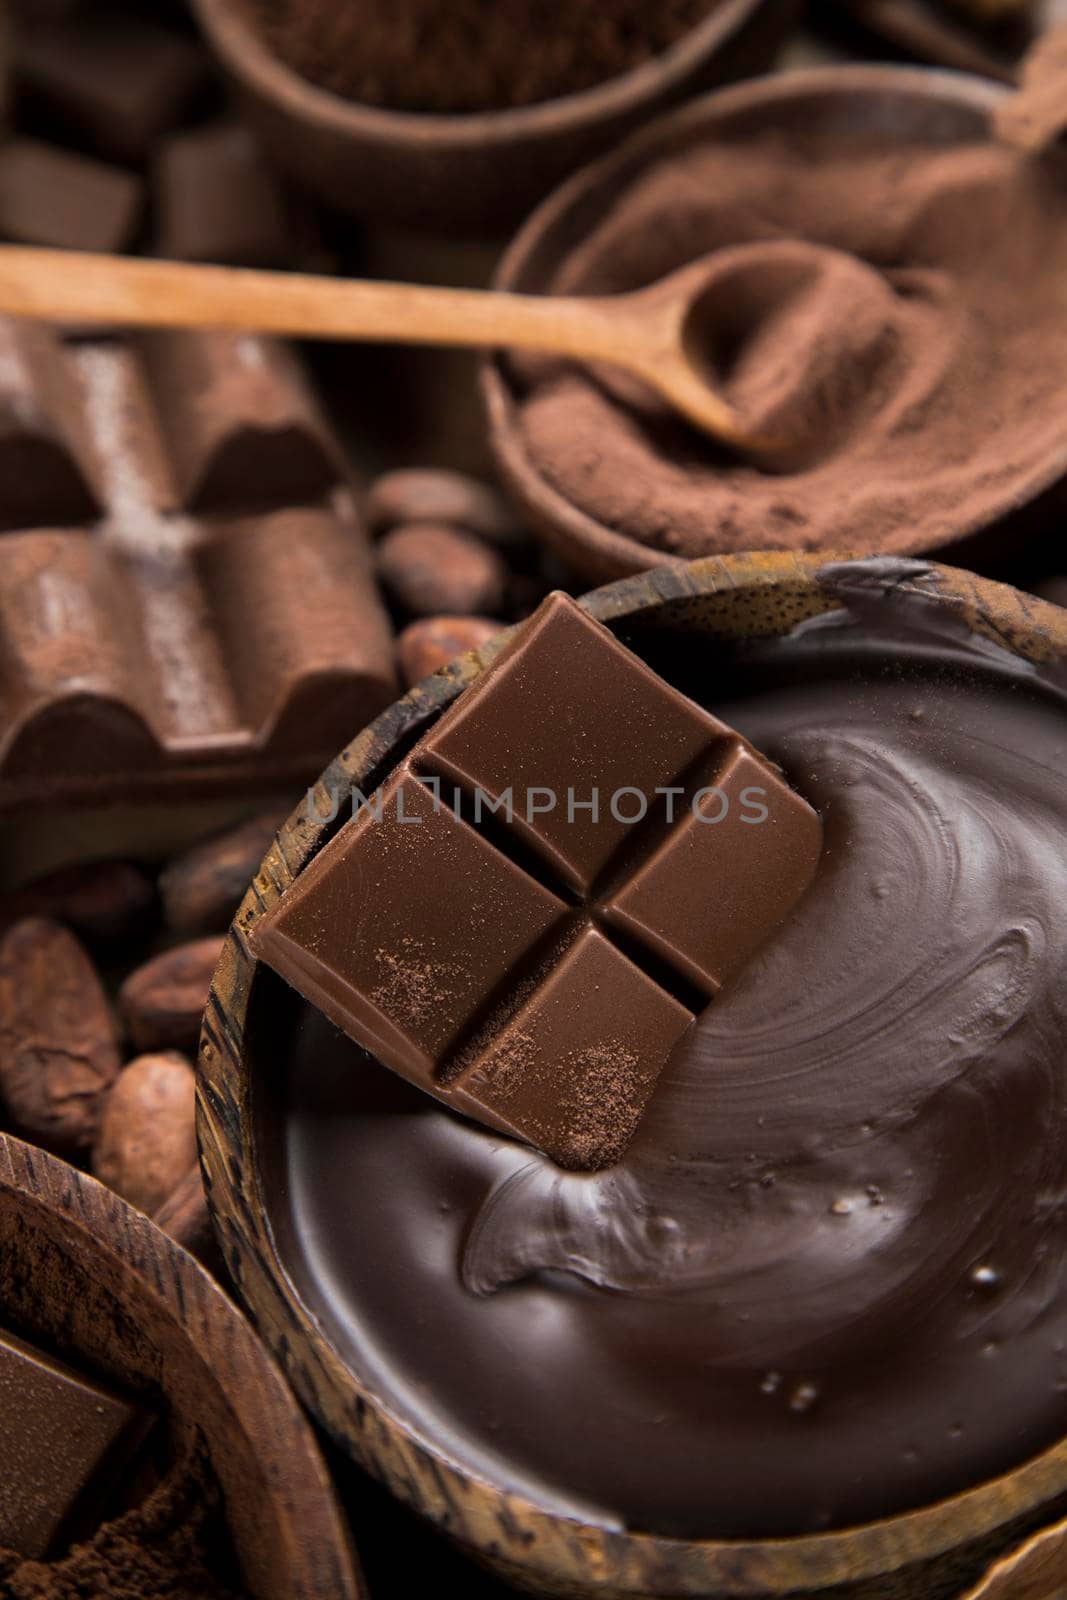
[[932, 1552]]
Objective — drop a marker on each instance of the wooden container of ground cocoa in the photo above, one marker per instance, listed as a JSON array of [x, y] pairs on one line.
[[924, 432], [448, 163], [232, 1498], [485, 1333]]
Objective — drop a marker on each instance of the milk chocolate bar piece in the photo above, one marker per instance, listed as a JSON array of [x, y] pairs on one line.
[[572, 1071], [219, 201], [152, 652], [52, 197], [63, 1439], [114, 83], [569, 865], [68, 623], [401, 935], [47, 470], [526, 725], [241, 427]]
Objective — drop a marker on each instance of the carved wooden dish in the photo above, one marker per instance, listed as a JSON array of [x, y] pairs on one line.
[[97, 1282], [931, 1552]]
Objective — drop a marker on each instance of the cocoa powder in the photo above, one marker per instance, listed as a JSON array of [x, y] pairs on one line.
[[924, 353], [173, 1547], [454, 56]]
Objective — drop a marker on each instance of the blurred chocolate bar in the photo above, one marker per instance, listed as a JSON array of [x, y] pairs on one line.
[[52, 197], [217, 200], [187, 600], [110, 84]]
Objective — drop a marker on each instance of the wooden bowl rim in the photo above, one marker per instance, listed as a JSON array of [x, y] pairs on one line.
[[241, 47], [598, 549], [192, 1302], [471, 1507]]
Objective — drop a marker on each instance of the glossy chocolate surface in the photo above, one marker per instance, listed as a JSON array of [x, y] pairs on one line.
[[826, 1282], [537, 973]]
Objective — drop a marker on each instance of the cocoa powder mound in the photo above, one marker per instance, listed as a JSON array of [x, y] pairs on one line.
[[456, 56], [173, 1547], [923, 351]]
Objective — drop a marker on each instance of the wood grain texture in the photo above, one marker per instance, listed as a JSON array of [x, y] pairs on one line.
[[932, 1552], [101, 1284], [1036, 1571], [644, 334]]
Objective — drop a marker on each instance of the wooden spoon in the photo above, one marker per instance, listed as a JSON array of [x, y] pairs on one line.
[[652, 333]]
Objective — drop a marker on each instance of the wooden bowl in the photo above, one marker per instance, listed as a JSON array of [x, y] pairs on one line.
[[911, 100], [98, 1283], [933, 1551], [478, 173], [1036, 1571]]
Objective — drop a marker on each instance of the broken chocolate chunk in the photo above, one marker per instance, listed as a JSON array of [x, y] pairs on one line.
[[63, 1441], [525, 919]]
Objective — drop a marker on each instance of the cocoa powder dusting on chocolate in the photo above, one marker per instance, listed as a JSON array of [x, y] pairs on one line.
[[411, 982], [455, 56], [603, 1101]]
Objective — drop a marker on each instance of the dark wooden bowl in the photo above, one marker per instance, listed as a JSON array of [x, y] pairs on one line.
[[478, 173], [841, 100], [931, 1552], [97, 1282]]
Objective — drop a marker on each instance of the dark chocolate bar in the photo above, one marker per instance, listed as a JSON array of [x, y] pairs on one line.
[[567, 867], [114, 84], [218, 200], [50, 196], [206, 613], [63, 1439]]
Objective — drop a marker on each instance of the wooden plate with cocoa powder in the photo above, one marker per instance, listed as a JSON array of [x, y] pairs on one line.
[[238, 1501]]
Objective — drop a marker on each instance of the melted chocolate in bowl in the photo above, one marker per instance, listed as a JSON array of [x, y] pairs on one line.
[[917, 345], [826, 1283]]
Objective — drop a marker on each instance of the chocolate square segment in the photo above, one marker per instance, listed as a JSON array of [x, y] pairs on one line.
[[573, 1070], [60, 1435], [403, 928], [739, 856], [535, 968], [569, 712]]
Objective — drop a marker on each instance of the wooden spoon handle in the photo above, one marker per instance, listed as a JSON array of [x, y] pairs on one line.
[[72, 286]]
